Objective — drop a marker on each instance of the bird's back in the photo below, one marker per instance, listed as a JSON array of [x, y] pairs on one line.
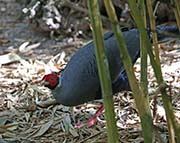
[[80, 77], [80, 82]]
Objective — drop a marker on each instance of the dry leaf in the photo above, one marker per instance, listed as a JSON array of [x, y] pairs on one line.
[[3, 41], [9, 58], [43, 128], [73, 132]]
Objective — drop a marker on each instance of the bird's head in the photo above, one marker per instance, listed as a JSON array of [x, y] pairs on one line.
[[51, 80]]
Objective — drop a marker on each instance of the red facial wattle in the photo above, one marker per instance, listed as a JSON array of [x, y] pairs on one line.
[[51, 80]]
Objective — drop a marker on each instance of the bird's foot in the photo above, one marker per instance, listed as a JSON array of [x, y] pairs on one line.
[[93, 119]]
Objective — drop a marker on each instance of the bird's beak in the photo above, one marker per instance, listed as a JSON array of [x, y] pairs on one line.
[[44, 83]]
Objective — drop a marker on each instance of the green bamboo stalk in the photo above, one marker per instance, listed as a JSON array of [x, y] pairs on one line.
[[158, 73], [176, 9], [177, 2], [155, 43], [142, 10], [153, 27], [143, 51], [177, 18], [103, 71], [141, 101]]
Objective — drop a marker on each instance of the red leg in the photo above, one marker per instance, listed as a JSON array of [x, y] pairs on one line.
[[93, 119]]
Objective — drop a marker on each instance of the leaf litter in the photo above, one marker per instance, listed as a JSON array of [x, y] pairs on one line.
[[28, 112], [24, 119]]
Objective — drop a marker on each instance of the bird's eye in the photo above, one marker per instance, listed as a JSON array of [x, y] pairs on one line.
[[51, 79]]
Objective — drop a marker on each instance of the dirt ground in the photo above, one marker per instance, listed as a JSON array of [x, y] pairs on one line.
[[27, 54]]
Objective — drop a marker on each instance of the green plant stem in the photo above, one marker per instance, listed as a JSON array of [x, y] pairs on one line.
[[158, 73], [142, 10], [103, 71], [155, 43], [143, 51], [153, 28], [141, 101], [176, 9]]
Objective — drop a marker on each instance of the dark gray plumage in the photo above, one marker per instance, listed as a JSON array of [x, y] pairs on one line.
[[82, 70], [79, 82]]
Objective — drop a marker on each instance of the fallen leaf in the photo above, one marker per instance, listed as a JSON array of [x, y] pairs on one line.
[[8, 127], [43, 128], [3, 41], [23, 46], [73, 132], [9, 58], [31, 107]]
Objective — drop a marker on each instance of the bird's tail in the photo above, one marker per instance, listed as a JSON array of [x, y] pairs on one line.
[[166, 32]]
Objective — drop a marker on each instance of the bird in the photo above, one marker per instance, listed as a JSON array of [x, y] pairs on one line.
[[79, 82], [82, 71]]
